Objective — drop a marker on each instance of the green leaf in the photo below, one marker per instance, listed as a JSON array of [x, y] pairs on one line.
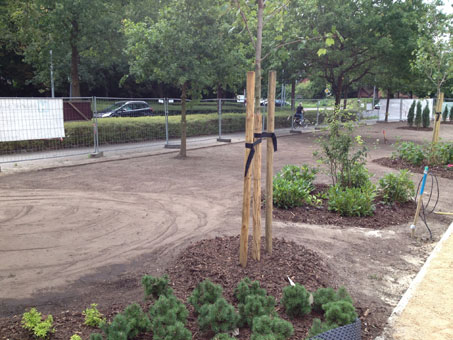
[[329, 42], [322, 51]]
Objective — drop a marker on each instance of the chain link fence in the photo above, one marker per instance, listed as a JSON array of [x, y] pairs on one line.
[[91, 125]]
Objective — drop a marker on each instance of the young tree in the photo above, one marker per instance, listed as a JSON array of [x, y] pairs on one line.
[[426, 116], [410, 114], [418, 115]]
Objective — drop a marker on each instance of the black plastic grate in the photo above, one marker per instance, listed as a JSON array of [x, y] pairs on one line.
[[352, 331]]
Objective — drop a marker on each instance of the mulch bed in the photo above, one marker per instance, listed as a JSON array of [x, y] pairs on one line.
[[384, 215], [447, 123], [415, 128], [397, 163], [216, 259]]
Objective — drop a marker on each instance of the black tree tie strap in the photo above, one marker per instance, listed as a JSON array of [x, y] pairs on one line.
[[250, 146], [268, 135]]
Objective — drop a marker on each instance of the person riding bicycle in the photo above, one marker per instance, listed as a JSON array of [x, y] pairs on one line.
[[299, 113]]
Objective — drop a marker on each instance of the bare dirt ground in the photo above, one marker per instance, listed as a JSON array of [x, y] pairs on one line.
[[81, 234]]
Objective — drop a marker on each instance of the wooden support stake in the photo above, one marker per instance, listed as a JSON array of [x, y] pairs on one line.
[[270, 159], [256, 213], [438, 112], [243, 247]]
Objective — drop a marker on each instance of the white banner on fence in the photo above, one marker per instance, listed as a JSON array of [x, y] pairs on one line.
[[26, 118]]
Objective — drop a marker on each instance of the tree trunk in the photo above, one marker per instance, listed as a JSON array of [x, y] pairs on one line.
[[387, 106], [183, 148], [338, 87], [345, 98], [293, 94], [75, 84], [259, 42]]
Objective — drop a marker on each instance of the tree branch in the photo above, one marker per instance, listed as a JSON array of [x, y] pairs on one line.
[[244, 18]]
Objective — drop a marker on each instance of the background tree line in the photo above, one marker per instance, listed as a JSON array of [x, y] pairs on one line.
[[182, 48]]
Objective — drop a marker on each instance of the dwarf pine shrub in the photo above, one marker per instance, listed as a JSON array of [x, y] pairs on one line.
[[339, 312], [118, 329], [205, 293], [219, 317], [96, 336], [319, 327], [175, 331], [271, 328], [223, 336], [138, 321], [322, 296], [256, 305], [169, 315], [296, 300], [156, 286], [247, 287]]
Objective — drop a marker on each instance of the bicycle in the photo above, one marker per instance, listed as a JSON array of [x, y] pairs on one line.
[[296, 122]]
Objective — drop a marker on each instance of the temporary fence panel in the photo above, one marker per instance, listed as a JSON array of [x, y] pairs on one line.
[[399, 108], [34, 128]]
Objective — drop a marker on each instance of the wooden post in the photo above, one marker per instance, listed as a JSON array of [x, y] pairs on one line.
[[438, 112], [243, 247], [256, 213], [270, 159]]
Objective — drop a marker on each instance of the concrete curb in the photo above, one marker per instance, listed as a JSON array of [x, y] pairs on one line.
[[414, 284]]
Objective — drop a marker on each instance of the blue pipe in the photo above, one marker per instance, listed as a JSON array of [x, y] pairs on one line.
[[425, 174]]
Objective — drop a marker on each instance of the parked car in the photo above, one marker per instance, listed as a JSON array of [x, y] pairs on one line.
[[278, 102], [127, 109]]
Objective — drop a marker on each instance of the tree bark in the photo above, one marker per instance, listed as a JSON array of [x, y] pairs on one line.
[[345, 97], [338, 87], [387, 106], [183, 149], [293, 94], [75, 84]]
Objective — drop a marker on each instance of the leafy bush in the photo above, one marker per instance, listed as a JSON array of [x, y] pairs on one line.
[[339, 312], [426, 116], [410, 152], [319, 327], [397, 188], [247, 287], [32, 321], [445, 114], [352, 201], [255, 305], [418, 115], [295, 173], [75, 337], [205, 293], [410, 114], [268, 328], [358, 176], [137, 320], [442, 153], [340, 151], [218, 317], [296, 300], [156, 286], [93, 317]]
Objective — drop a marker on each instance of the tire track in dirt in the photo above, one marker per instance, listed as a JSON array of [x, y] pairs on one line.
[[80, 232]]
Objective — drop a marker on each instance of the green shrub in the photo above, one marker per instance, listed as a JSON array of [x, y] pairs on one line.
[[418, 115], [223, 336], [247, 287], [410, 152], [93, 317], [75, 337], [343, 295], [295, 173], [323, 296], [32, 321], [352, 201], [289, 194], [96, 336], [451, 113], [319, 327], [442, 153], [137, 320], [175, 331], [156, 286], [296, 300], [118, 329], [218, 317], [339, 312], [396, 188], [445, 113], [169, 315], [426, 116], [358, 176], [271, 328], [410, 114], [205, 293], [255, 305]]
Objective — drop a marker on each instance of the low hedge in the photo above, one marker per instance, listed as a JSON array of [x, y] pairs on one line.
[[132, 130]]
